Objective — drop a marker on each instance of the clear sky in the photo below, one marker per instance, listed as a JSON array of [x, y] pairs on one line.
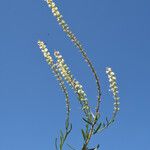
[[115, 33]]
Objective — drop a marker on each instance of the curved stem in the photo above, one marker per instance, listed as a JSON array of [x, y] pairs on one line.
[[63, 87], [72, 37]]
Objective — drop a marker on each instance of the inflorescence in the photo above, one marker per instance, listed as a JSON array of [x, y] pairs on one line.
[[63, 69], [113, 88], [62, 22], [63, 73]]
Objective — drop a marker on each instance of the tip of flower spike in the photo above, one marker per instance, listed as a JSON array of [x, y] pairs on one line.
[[113, 87], [56, 53], [108, 69], [45, 52], [40, 42], [47, 1]]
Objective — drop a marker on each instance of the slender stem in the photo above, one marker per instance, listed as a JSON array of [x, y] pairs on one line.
[[63, 87], [77, 43], [89, 135], [95, 75]]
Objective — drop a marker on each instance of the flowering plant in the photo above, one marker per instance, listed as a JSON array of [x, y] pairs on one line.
[[63, 73]]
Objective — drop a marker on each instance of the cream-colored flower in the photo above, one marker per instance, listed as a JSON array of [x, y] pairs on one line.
[[113, 87], [65, 72], [45, 52]]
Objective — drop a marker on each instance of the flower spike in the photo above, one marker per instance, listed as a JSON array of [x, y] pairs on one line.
[[63, 73], [77, 43], [113, 88], [68, 125], [78, 89]]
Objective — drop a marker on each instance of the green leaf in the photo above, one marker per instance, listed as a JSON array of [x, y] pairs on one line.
[[61, 134], [87, 128], [90, 118], [67, 123], [83, 134], [87, 135], [61, 142], [97, 116], [70, 129], [65, 137], [98, 127], [87, 121]]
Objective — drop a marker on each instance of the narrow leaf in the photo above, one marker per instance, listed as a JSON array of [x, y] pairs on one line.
[[61, 142], [61, 134], [98, 127], [67, 123], [87, 121], [87, 128], [97, 116], [70, 128], [83, 134]]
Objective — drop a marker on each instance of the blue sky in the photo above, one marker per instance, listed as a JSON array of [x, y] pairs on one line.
[[32, 107]]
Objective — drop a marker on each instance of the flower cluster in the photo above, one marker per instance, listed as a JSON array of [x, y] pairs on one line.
[[113, 88], [62, 73], [65, 72], [76, 42], [60, 69], [53, 66], [62, 22], [45, 52], [63, 68]]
